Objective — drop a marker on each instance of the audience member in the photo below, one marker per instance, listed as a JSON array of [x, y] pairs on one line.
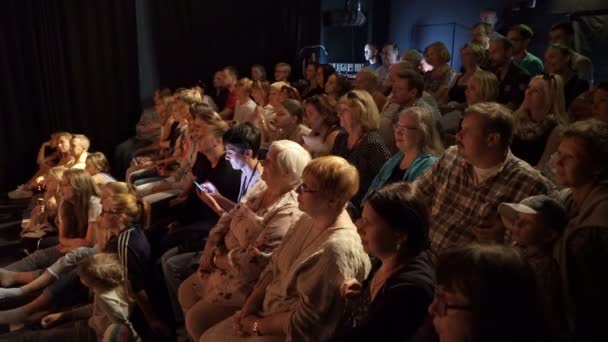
[[336, 86], [391, 304], [367, 79], [245, 106], [490, 17], [558, 60], [296, 297], [408, 88], [360, 143], [487, 293], [563, 33], [464, 187], [79, 145], [372, 60], [98, 168], [512, 79], [240, 245], [258, 73], [413, 57], [288, 122], [418, 145], [520, 37], [229, 80], [539, 121], [282, 71], [320, 111], [219, 94], [481, 33], [312, 87], [323, 73], [390, 55], [581, 166], [600, 102], [438, 80]]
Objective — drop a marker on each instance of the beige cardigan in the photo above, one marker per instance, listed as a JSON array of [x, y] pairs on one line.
[[307, 271]]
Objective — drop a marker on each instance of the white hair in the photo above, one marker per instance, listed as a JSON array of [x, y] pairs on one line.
[[291, 159]]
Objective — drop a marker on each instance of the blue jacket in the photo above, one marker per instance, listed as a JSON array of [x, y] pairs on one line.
[[418, 166]]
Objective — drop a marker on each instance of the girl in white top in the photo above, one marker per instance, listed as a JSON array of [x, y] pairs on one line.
[[245, 106]]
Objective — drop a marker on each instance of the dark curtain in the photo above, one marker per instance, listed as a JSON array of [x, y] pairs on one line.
[[65, 66], [194, 38]]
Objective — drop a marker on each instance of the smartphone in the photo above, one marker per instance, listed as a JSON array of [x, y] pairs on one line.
[[201, 187]]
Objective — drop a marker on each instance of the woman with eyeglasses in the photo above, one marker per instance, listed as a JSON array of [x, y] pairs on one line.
[[296, 297], [360, 144], [419, 146], [486, 293], [540, 120], [391, 304], [242, 242]]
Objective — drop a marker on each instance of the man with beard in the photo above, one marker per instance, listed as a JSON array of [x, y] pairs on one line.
[[512, 79]]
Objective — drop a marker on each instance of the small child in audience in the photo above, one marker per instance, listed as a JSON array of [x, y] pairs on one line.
[[108, 316], [536, 223]]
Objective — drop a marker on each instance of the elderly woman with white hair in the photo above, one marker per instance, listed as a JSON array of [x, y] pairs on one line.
[[240, 245]]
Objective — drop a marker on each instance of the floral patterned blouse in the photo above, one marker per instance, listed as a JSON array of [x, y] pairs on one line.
[[250, 234]]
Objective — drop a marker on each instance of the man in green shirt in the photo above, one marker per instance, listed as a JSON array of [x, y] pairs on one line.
[[520, 36]]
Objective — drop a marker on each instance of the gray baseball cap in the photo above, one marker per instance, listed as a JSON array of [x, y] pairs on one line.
[[551, 212]]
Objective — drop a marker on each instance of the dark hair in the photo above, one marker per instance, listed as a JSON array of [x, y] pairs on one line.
[[262, 69], [373, 46], [402, 211], [501, 290], [595, 135], [414, 80], [603, 85], [343, 85], [232, 70], [506, 43], [394, 46], [328, 70], [326, 106], [567, 27], [294, 107], [164, 92], [524, 30], [246, 136]]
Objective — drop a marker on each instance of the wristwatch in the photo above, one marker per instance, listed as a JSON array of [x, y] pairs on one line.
[[255, 330]]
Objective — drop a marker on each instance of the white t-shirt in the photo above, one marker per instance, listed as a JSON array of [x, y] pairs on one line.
[[244, 111], [94, 208]]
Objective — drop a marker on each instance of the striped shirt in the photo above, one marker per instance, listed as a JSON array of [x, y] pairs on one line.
[[133, 251], [457, 203]]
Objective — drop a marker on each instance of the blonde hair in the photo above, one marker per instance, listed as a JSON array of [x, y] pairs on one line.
[[205, 113], [554, 101], [85, 143], [105, 272], [137, 211], [498, 119], [77, 207], [189, 96], [430, 142], [365, 110], [246, 84], [488, 85], [57, 174], [442, 51], [291, 159], [116, 188], [57, 135], [335, 178], [99, 161]]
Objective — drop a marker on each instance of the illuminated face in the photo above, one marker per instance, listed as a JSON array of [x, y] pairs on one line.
[[236, 156], [535, 97], [407, 133], [369, 52], [76, 148], [63, 144]]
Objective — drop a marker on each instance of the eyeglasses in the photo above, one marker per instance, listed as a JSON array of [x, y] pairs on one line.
[[302, 188], [397, 127], [441, 306]]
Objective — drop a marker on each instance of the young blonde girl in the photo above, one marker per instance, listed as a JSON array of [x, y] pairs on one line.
[[107, 319]]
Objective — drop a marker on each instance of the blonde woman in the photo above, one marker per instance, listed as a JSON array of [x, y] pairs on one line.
[[240, 245], [539, 120], [245, 106], [360, 143], [419, 145]]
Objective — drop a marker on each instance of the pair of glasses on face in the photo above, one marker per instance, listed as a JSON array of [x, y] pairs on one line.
[[303, 188], [402, 128], [441, 305]]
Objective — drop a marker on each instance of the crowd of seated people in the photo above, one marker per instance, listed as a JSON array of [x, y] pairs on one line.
[[422, 205]]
